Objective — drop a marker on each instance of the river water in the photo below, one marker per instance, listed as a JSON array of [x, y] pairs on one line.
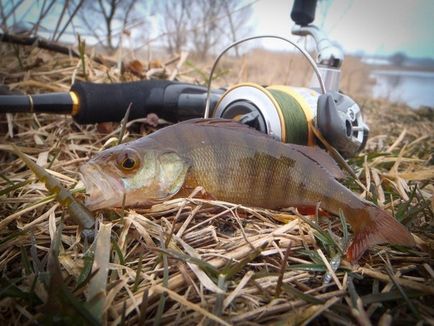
[[414, 88]]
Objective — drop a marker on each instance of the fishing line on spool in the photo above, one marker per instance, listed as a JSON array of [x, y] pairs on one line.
[[294, 118]]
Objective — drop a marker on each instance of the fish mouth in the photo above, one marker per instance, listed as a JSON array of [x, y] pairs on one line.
[[102, 189]]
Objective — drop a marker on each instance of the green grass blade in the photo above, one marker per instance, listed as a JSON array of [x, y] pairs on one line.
[[300, 295]]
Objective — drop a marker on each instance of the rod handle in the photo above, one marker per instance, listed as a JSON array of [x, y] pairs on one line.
[[109, 102]]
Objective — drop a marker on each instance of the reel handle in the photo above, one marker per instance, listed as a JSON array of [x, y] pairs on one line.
[[303, 12]]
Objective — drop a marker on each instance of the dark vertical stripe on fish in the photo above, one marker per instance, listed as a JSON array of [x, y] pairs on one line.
[[249, 166], [275, 174]]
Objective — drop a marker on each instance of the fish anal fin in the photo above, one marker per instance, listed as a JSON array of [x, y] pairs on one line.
[[375, 228], [311, 210]]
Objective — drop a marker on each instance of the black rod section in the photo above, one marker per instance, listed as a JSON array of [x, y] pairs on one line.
[[94, 103], [14, 103], [57, 103], [170, 100]]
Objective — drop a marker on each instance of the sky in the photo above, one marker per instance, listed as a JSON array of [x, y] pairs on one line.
[[374, 27], [379, 27]]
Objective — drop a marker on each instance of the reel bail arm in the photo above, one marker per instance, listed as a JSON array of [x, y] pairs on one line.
[[330, 55]]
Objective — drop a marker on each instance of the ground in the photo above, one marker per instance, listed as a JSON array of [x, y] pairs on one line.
[[195, 260]]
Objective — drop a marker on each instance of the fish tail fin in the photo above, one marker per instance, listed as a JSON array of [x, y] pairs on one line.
[[374, 228]]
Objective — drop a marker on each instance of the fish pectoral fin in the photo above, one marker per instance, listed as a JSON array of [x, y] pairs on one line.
[[173, 170], [375, 228], [195, 192], [205, 195]]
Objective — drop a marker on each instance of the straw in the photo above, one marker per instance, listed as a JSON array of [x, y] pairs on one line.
[[213, 262]]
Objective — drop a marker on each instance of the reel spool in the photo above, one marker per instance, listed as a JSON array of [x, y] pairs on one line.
[[289, 114]]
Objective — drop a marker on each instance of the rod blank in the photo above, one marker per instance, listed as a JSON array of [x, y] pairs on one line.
[[57, 103]]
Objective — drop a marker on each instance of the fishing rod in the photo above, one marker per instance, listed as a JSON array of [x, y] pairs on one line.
[[93, 103], [289, 114]]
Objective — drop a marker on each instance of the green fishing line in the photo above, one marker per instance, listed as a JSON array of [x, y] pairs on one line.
[[296, 127]]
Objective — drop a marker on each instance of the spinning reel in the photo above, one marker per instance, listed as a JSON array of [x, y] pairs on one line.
[[290, 114]]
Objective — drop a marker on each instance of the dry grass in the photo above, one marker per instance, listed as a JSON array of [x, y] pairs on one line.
[[289, 68], [198, 261]]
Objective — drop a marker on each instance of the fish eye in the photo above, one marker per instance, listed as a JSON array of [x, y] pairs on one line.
[[127, 161]]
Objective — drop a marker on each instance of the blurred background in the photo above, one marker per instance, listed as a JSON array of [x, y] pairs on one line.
[[389, 45]]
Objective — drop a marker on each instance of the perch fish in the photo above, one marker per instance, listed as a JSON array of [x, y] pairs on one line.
[[234, 163]]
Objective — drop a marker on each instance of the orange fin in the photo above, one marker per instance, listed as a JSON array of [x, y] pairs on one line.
[[378, 227], [306, 210], [311, 210]]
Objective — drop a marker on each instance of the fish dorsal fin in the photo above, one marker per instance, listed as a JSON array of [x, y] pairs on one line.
[[320, 157], [227, 124], [315, 154]]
